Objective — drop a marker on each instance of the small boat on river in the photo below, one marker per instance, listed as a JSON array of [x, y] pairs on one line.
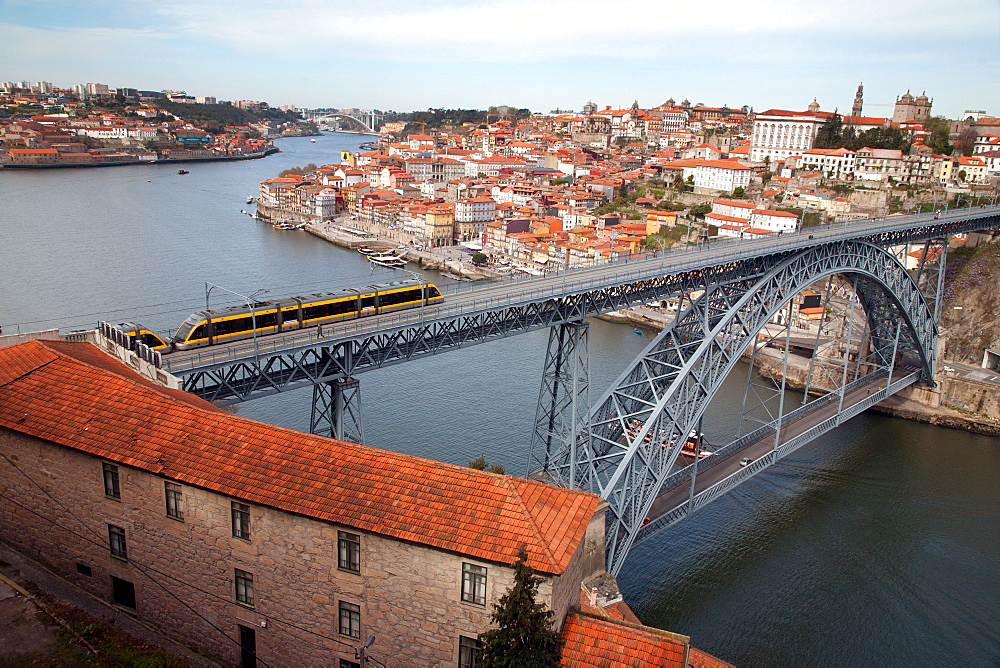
[[183, 171], [286, 225], [387, 260]]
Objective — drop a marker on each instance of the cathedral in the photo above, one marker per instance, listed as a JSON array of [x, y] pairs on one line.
[[909, 108]]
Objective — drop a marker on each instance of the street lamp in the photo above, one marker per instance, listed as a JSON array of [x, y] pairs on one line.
[[249, 301]]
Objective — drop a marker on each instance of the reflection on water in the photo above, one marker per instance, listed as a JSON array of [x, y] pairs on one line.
[[875, 545]]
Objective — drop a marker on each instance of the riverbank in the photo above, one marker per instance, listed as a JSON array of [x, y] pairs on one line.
[[95, 161], [447, 261], [957, 403]]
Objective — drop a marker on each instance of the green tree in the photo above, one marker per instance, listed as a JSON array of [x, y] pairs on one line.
[[739, 192], [479, 258], [940, 133], [524, 637], [700, 209]]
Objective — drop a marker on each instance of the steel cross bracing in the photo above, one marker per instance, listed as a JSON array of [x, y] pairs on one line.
[[637, 429]]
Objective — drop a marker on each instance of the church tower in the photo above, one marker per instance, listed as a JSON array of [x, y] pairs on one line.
[[814, 107], [858, 101]]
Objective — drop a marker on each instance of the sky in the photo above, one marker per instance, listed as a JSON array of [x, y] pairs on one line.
[[408, 55]]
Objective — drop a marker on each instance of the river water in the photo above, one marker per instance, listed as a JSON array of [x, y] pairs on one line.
[[878, 544]]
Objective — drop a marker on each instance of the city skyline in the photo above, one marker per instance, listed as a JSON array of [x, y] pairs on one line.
[[405, 56]]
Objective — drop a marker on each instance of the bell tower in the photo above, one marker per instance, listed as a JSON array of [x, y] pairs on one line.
[[858, 101]]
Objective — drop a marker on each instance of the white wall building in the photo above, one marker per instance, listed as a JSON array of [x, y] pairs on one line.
[[721, 175], [779, 134]]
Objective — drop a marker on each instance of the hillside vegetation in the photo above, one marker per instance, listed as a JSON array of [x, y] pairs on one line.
[[972, 282]]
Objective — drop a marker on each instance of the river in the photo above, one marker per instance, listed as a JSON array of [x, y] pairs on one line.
[[878, 544]]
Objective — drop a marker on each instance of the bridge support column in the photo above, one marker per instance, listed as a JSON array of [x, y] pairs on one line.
[[564, 398], [336, 410]]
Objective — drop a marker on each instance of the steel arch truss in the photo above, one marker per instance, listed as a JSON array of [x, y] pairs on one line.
[[638, 427]]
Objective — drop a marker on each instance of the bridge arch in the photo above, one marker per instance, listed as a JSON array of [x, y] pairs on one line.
[[638, 427]]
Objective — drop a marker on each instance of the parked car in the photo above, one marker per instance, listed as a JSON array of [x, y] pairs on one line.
[[745, 461]]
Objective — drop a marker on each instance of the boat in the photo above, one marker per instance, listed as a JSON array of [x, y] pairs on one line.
[[387, 260], [183, 171], [285, 225], [313, 140], [249, 200], [365, 250], [639, 332]]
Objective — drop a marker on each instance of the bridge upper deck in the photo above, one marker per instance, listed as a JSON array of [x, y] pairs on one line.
[[464, 300]]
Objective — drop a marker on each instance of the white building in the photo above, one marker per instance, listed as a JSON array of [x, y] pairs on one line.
[[774, 221], [779, 134], [835, 163], [721, 175]]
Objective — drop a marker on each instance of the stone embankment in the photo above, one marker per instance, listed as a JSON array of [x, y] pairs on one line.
[[448, 261], [959, 403]]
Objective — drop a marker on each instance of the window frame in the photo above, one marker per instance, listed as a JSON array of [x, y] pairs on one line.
[[348, 546], [474, 579], [243, 582], [240, 515], [112, 481], [351, 612], [117, 542], [174, 493], [468, 649]]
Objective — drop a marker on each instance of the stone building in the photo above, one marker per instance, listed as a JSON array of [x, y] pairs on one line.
[[241, 539], [909, 108]]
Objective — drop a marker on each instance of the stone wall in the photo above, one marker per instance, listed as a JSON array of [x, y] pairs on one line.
[[55, 511]]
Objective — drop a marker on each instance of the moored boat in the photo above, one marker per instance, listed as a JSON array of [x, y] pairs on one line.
[[387, 260], [183, 171]]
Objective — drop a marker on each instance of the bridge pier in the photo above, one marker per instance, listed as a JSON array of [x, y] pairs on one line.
[[564, 397], [336, 410]]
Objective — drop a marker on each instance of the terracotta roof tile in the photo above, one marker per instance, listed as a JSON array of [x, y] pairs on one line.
[[75, 395], [594, 641]]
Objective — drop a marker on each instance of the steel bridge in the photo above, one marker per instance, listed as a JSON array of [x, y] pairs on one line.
[[369, 120], [880, 336]]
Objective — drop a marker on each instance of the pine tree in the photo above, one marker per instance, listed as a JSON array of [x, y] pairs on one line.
[[524, 637]]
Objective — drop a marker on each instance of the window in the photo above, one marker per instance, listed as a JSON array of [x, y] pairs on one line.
[[467, 648], [83, 569], [122, 593], [350, 620], [344, 663], [116, 536], [349, 550], [474, 584], [111, 489], [175, 501], [241, 520], [244, 587]]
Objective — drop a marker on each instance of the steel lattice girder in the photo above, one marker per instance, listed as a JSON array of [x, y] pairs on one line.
[[638, 427], [564, 396]]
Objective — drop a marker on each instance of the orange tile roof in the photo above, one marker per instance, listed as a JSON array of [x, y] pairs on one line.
[[75, 395], [593, 641]]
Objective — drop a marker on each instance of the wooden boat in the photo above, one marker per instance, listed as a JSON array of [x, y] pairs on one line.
[[183, 171], [387, 260]]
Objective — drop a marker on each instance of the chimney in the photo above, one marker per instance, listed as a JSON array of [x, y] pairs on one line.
[[593, 596]]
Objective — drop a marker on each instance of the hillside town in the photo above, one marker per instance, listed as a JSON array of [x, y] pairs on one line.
[[92, 125], [563, 190]]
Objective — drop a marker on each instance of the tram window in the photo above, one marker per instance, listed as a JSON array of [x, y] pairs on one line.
[[200, 332], [342, 307], [151, 340], [266, 320], [432, 291], [291, 315], [368, 302]]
